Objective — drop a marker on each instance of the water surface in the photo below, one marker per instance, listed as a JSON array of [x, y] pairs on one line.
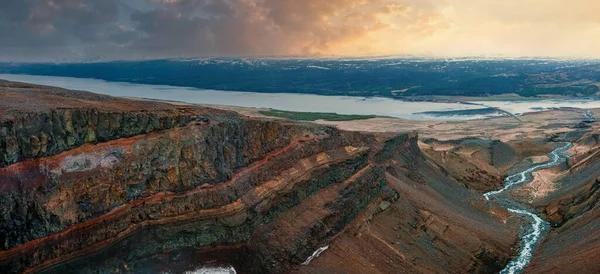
[[300, 102]]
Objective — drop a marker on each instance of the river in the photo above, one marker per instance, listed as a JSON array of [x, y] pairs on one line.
[[538, 226]]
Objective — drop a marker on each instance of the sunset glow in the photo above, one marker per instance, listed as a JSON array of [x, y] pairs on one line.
[[126, 29]]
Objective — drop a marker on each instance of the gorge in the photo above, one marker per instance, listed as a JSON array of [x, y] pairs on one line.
[[538, 226], [100, 184]]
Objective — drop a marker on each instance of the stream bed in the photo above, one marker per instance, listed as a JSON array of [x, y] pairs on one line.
[[538, 225]]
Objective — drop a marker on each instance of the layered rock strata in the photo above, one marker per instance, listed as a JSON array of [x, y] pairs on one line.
[[92, 183]]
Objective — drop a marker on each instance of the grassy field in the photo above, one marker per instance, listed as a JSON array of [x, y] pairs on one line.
[[313, 116]]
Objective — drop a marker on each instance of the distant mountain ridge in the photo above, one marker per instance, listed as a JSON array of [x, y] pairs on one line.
[[387, 77]]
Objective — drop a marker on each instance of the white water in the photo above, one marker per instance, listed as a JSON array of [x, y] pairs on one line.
[[213, 270], [315, 254], [510, 181], [538, 225], [294, 102]]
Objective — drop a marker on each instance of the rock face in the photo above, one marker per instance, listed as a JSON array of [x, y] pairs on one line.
[[433, 225], [573, 210], [573, 204], [98, 184]]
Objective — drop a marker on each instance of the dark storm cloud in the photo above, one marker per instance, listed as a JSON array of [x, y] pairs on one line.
[[245, 27], [211, 7], [169, 33], [117, 29], [38, 29]]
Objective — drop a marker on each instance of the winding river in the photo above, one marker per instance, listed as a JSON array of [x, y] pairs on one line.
[[538, 226]]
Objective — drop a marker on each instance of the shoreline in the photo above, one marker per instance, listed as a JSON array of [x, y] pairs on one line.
[[444, 109]]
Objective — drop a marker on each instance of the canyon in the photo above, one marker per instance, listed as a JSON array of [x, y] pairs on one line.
[[99, 184]]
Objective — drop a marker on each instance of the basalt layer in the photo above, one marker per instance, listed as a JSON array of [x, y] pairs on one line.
[[99, 184]]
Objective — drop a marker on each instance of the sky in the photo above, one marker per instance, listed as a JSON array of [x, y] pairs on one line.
[[92, 30]]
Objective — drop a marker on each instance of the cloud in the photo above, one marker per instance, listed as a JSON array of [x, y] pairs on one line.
[[244, 27], [41, 30]]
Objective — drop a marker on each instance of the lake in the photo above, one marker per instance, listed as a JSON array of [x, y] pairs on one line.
[[302, 102]]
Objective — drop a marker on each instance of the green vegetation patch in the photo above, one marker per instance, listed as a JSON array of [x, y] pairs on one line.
[[313, 116]]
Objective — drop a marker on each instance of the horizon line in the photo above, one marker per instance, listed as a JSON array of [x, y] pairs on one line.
[[448, 58]]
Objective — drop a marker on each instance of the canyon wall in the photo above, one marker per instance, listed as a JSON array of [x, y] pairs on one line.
[[573, 211], [96, 184]]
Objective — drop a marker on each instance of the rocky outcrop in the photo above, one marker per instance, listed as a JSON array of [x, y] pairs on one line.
[[574, 242], [48, 133], [39, 121], [573, 204], [577, 192]]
